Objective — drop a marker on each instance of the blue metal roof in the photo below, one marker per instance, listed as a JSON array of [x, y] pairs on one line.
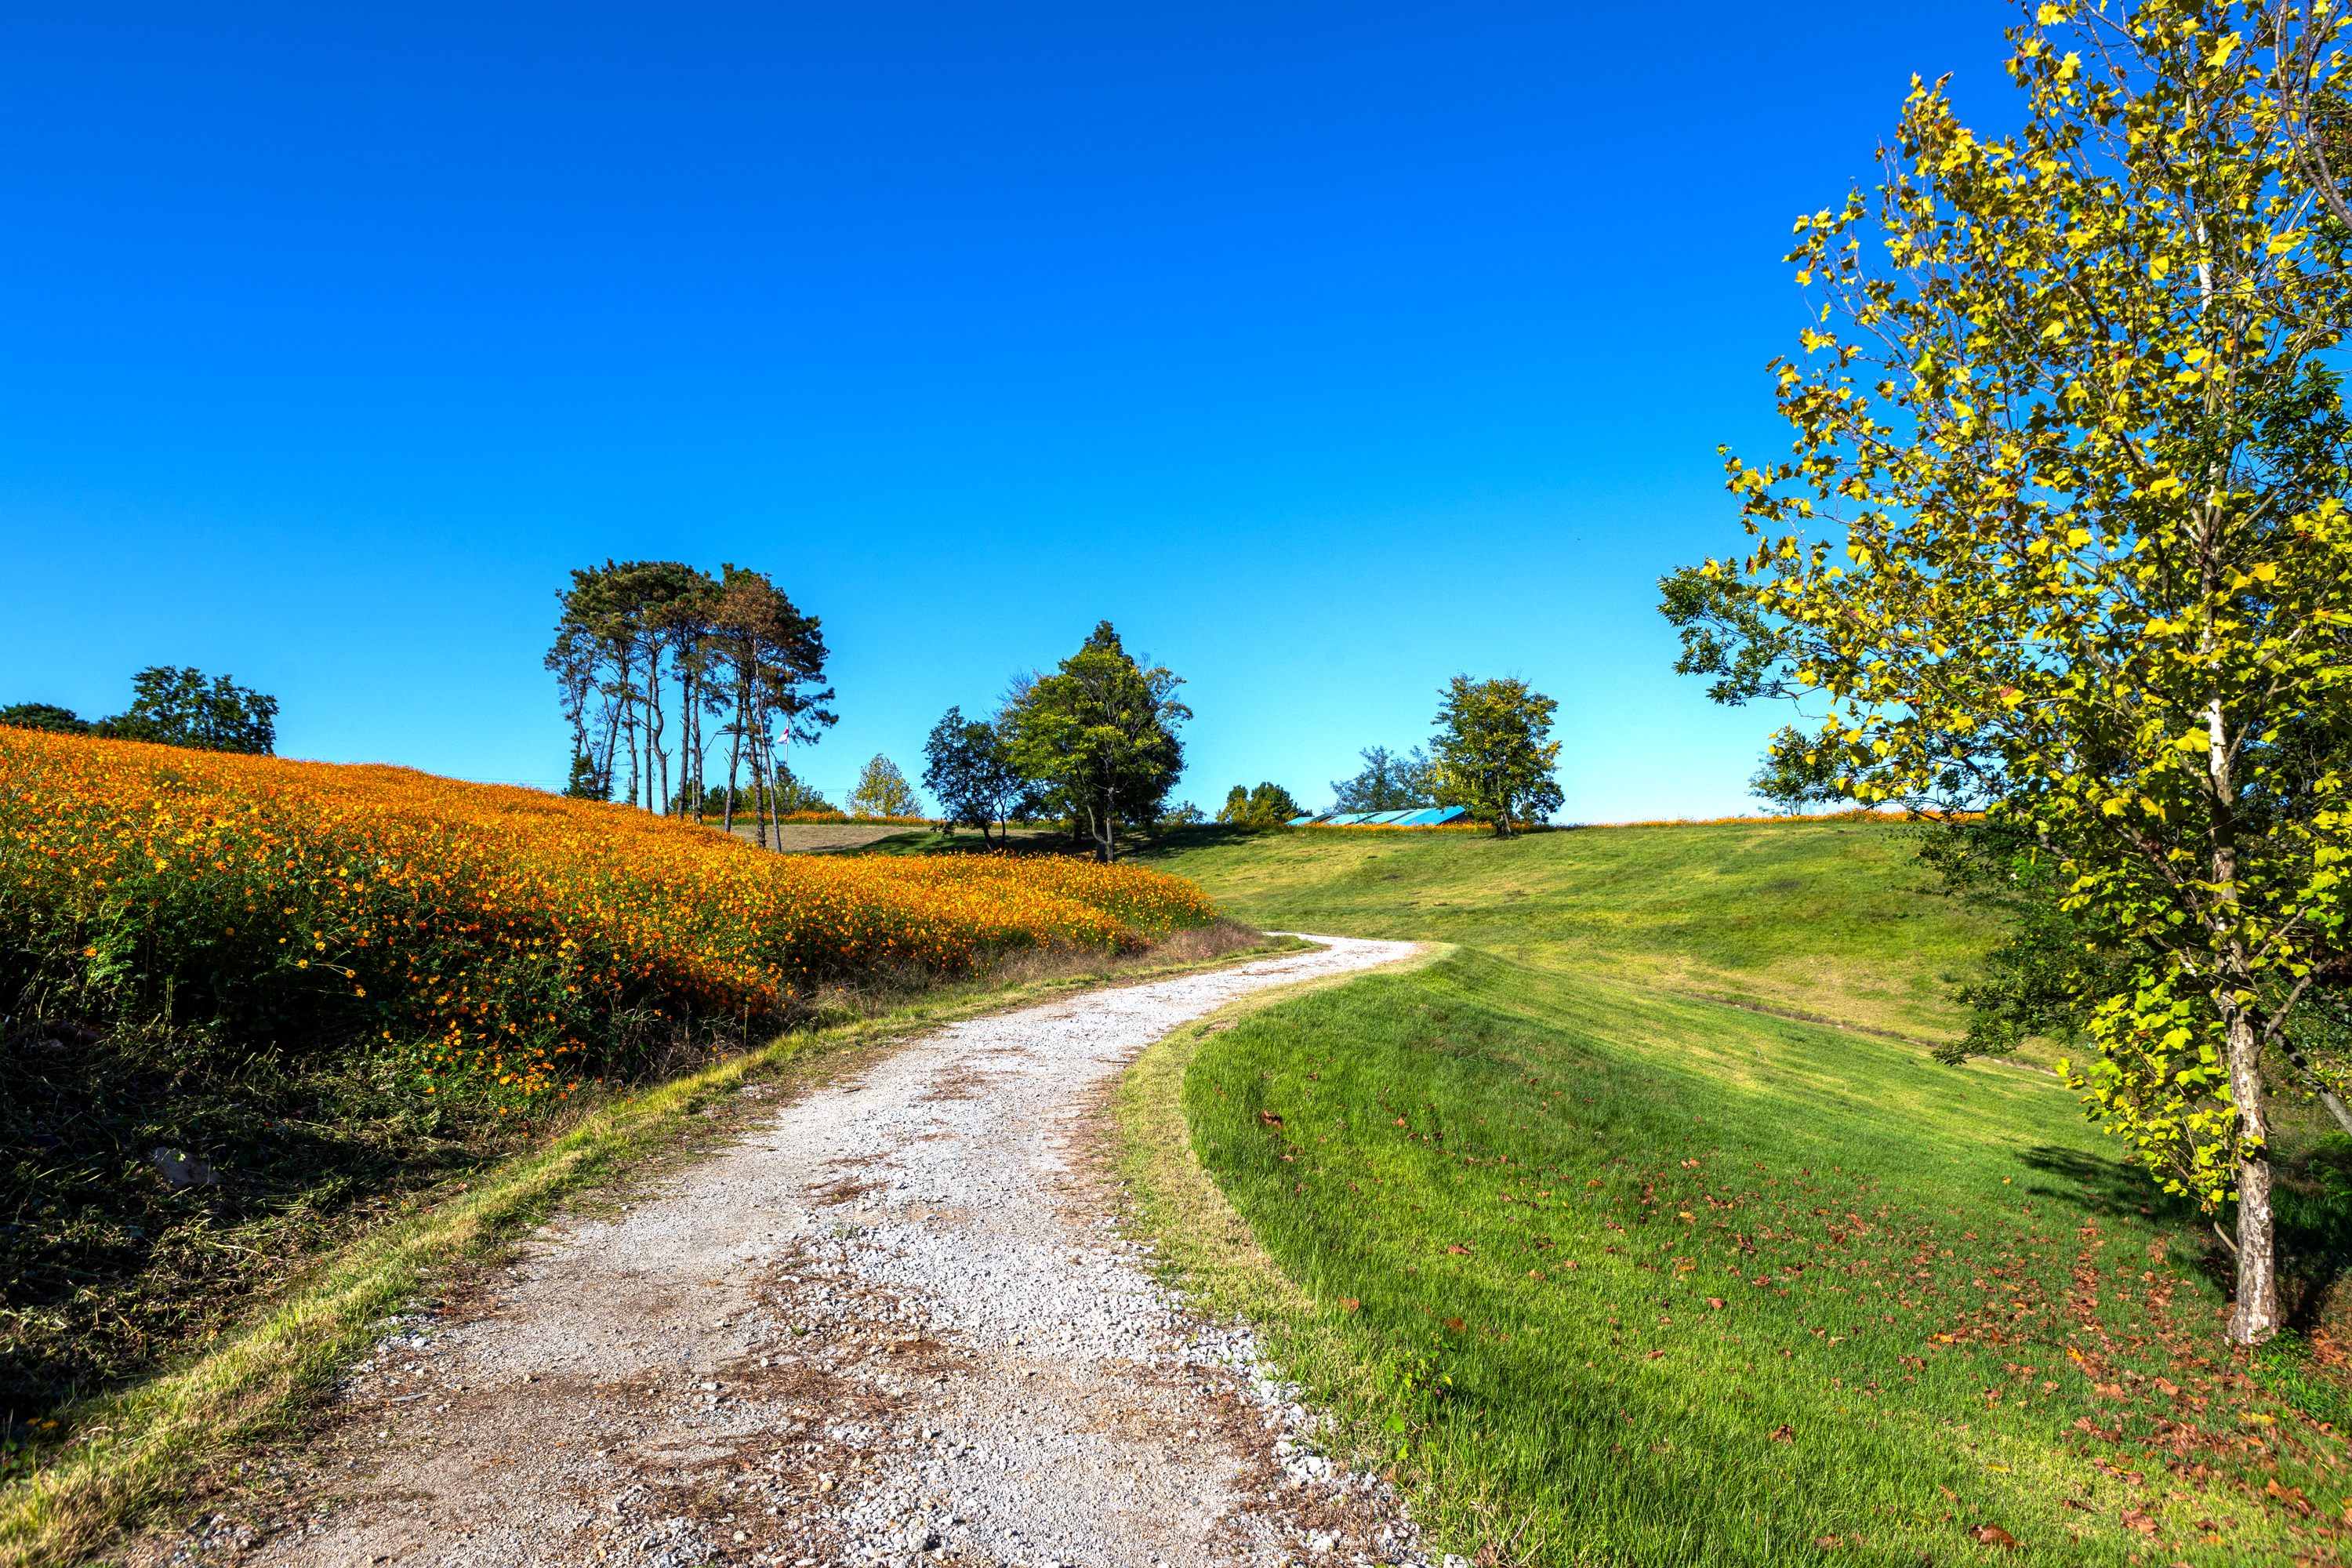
[[1423, 816]]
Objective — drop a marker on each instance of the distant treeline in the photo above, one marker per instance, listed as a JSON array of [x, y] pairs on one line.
[[172, 707]]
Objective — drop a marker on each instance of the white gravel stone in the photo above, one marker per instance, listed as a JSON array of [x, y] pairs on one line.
[[896, 1322]]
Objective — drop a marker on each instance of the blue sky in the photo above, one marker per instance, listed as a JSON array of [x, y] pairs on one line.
[[1327, 351]]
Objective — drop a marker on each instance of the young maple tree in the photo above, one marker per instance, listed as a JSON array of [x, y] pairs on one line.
[[2063, 534]]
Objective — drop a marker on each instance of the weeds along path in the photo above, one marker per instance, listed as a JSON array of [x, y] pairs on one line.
[[897, 1323]]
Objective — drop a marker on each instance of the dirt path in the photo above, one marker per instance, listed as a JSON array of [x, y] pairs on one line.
[[808, 837], [896, 1324]]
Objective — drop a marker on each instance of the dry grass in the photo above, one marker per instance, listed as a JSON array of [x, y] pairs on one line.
[[912, 987], [818, 838]]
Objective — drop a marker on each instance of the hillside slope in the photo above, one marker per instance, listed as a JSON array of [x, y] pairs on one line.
[[1832, 919], [1624, 1275]]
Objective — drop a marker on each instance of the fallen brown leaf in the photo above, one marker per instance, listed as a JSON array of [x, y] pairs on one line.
[[1454, 1323], [1457, 1246], [1828, 1542], [1994, 1535], [1269, 1118], [1784, 1433], [2076, 1502], [2135, 1520], [1535, 1273], [1348, 1303], [1715, 1302], [2291, 1496]]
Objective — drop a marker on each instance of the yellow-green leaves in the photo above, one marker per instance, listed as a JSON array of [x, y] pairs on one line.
[[2097, 570]]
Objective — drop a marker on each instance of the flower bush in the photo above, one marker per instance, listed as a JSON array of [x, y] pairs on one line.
[[499, 935]]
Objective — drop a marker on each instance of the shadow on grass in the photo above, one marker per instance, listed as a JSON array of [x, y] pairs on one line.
[[2312, 1209]]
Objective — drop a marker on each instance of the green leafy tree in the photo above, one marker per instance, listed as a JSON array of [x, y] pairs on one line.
[[2047, 974], [586, 783], [883, 791], [43, 716], [1100, 733], [634, 651], [1392, 781], [2063, 531], [1184, 816], [768, 656], [966, 766], [1797, 776], [1495, 755], [1267, 805], [181, 707]]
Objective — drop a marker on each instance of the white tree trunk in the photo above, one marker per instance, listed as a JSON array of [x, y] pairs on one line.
[[2255, 1319]]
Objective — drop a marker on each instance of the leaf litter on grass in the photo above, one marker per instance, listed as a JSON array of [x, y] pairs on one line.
[[2013, 1339]]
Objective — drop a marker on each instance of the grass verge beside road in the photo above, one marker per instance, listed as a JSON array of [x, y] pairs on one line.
[[1641, 1280], [118, 1455]]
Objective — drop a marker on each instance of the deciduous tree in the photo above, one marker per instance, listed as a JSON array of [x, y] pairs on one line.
[[1495, 755], [1392, 781], [181, 707], [43, 716], [2063, 531], [883, 791], [1264, 806], [1101, 733], [967, 767]]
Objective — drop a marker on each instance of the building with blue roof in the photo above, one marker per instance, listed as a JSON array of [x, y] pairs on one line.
[[1423, 816]]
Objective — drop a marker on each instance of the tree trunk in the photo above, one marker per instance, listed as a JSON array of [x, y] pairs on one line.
[[751, 747], [734, 756], [656, 795], [784, 772], [2255, 1319], [629, 729], [690, 720], [604, 780], [763, 777]]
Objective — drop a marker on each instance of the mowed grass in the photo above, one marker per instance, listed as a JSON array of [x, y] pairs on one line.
[[1656, 1282], [1834, 918], [1615, 1274]]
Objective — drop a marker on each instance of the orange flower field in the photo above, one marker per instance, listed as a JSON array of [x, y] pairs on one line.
[[508, 937]]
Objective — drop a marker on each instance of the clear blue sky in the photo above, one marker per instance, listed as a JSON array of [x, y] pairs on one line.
[[1327, 351]]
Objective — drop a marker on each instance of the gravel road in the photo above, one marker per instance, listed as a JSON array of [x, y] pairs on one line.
[[896, 1323]]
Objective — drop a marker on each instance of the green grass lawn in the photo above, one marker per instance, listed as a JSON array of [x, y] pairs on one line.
[[1650, 1280], [1833, 919]]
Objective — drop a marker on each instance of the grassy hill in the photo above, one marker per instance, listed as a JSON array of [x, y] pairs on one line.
[[1621, 1274], [1831, 917]]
